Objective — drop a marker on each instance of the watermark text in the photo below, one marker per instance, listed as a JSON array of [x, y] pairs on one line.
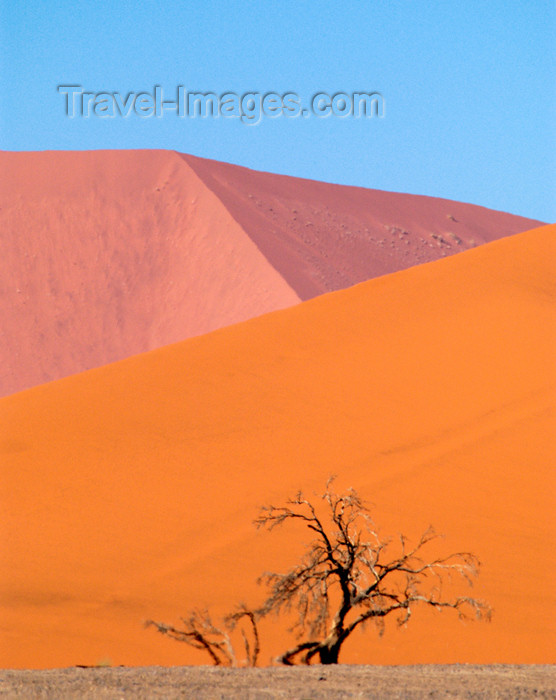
[[249, 107]]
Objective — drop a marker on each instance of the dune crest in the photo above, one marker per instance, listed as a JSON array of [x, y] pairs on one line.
[[107, 254]]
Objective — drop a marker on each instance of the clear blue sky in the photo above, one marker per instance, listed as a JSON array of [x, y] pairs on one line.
[[469, 87]]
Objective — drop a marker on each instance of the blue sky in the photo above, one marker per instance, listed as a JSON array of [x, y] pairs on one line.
[[469, 87]]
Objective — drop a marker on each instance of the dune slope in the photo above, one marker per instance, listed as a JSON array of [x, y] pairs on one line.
[[106, 254], [111, 253], [323, 237], [128, 491]]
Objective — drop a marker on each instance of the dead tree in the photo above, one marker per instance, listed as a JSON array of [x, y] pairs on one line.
[[199, 632], [349, 576]]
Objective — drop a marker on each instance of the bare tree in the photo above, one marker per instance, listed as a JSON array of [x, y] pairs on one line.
[[199, 632], [350, 576]]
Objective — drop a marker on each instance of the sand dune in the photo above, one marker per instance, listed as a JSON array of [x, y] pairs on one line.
[[115, 253], [324, 237], [107, 254], [128, 491]]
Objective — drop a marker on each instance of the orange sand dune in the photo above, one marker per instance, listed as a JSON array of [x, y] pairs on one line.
[[107, 254], [128, 491]]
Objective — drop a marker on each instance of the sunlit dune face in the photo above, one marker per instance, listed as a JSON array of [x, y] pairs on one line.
[[128, 492]]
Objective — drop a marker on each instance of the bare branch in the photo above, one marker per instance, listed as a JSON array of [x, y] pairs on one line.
[[200, 633], [251, 655], [197, 632], [287, 658]]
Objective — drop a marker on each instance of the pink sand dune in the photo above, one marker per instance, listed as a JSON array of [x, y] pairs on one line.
[[323, 237]]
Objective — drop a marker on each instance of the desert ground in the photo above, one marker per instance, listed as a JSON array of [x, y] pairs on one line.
[[299, 683]]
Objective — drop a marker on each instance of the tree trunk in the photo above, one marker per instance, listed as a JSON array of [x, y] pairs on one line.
[[329, 652]]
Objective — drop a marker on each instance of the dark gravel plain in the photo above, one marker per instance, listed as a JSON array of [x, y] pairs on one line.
[[295, 683]]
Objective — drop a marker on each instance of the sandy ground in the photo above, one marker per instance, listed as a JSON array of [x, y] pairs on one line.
[[316, 682]]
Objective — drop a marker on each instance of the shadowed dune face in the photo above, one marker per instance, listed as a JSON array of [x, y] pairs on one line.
[[128, 491], [324, 237], [107, 254]]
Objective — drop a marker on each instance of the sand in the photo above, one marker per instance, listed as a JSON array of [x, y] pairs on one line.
[[107, 254], [315, 683], [128, 491]]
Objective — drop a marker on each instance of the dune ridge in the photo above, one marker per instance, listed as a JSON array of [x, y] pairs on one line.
[[323, 237], [128, 491], [107, 254]]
